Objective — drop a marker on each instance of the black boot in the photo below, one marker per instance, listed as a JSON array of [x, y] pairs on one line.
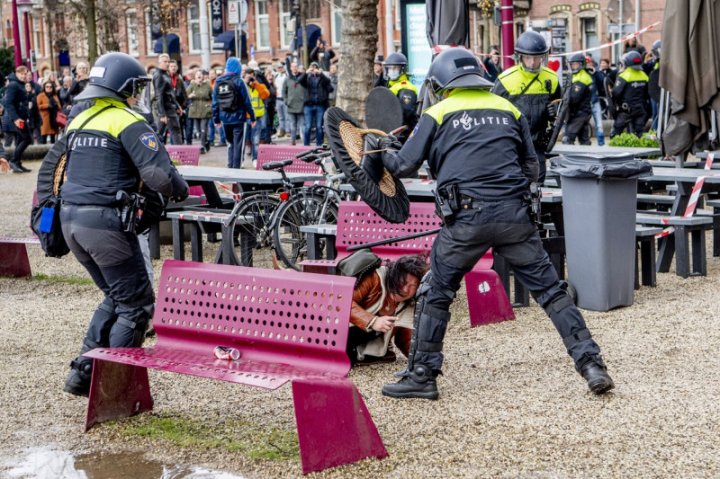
[[595, 373], [78, 381], [16, 167], [419, 383], [24, 170]]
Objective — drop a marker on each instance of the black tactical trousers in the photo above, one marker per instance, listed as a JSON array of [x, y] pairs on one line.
[[578, 127], [633, 120], [115, 263], [506, 227]]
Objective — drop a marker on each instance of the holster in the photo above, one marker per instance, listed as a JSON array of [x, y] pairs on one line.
[[131, 209], [535, 205], [448, 202]]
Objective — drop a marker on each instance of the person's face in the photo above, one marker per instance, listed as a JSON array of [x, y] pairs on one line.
[[495, 57], [173, 68], [21, 76], [575, 66], [28, 87], [48, 88], [377, 68], [82, 69], [604, 65], [333, 69], [294, 68], [407, 290], [67, 83], [199, 76], [532, 62], [163, 63], [212, 75]]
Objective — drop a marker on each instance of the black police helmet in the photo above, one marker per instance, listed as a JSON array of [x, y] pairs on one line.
[[114, 75], [531, 43], [657, 44], [577, 58], [456, 68], [632, 59], [396, 58]]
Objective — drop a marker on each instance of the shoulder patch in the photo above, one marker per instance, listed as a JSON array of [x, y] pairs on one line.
[[149, 141]]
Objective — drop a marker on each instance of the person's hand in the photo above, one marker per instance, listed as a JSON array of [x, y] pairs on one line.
[[163, 119], [218, 124], [4, 165], [384, 324], [191, 95], [552, 109], [252, 124], [180, 111]]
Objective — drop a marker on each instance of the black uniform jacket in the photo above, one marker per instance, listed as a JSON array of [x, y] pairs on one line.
[[474, 139], [114, 151]]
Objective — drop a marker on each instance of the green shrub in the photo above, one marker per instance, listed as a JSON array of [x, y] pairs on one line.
[[647, 140]]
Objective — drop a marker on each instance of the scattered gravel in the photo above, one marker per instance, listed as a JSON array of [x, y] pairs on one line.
[[511, 403]]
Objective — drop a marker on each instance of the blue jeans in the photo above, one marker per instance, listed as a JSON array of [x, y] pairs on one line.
[[597, 117], [655, 106], [211, 133], [314, 116], [255, 135], [236, 146]]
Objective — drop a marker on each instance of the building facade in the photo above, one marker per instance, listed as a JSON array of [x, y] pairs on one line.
[[56, 37]]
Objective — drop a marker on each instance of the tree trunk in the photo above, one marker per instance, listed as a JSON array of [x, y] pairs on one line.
[[91, 27], [359, 44]]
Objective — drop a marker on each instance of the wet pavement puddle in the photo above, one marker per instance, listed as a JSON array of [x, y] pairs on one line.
[[49, 463]]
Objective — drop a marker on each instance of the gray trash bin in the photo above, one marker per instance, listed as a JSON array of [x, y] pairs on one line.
[[599, 203]]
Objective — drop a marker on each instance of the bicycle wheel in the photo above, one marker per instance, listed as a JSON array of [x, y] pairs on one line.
[[260, 207], [303, 209]]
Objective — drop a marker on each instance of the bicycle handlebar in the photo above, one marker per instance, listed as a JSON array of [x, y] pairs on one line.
[[274, 165]]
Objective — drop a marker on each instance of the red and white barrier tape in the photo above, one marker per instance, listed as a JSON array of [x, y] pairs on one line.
[[235, 196], [694, 197]]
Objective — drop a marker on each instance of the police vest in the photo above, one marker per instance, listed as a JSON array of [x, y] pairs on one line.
[[635, 90], [108, 153], [257, 102], [407, 93], [476, 143], [581, 93], [530, 93]]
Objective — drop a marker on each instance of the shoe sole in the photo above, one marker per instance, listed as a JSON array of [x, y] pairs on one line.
[[601, 387], [432, 396]]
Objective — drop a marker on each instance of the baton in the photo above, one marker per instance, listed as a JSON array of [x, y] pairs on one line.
[[393, 240]]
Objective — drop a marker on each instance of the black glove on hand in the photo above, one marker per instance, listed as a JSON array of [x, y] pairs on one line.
[[552, 109], [371, 163], [390, 142]]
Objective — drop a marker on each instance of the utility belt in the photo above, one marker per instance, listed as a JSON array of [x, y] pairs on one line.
[[449, 200]]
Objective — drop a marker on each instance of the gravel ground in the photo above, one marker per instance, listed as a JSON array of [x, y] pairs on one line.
[[511, 405]]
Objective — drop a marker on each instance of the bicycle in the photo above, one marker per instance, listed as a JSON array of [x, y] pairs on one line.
[[310, 205]]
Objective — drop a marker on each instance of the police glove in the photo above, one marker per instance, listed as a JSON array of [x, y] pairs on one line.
[[552, 109], [372, 163], [180, 189]]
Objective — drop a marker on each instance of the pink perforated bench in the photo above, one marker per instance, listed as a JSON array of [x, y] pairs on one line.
[[358, 224], [288, 328], [268, 153]]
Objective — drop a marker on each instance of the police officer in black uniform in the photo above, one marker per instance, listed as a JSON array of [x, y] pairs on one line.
[[113, 153], [532, 88], [479, 147], [580, 104], [630, 96], [400, 85]]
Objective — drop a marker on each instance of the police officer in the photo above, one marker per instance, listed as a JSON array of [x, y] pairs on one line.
[[112, 150], [630, 95], [479, 147], [532, 87], [399, 83], [580, 104]]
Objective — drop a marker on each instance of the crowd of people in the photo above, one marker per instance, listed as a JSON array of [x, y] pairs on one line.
[[286, 101]]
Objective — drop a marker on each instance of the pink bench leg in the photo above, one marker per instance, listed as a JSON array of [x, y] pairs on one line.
[[487, 300], [116, 391], [14, 260], [334, 426]]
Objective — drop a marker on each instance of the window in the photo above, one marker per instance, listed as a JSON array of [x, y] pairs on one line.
[[313, 9], [287, 32], [193, 21], [149, 42], [336, 22], [262, 25], [132, 39]]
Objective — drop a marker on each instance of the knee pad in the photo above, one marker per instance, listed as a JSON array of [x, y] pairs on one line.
[[560, 301], [129, 328]]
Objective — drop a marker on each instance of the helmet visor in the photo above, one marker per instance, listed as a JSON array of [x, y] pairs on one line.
[[533, 63]]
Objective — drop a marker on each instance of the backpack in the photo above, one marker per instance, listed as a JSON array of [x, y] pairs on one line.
[[227, 95], [359, 264]]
